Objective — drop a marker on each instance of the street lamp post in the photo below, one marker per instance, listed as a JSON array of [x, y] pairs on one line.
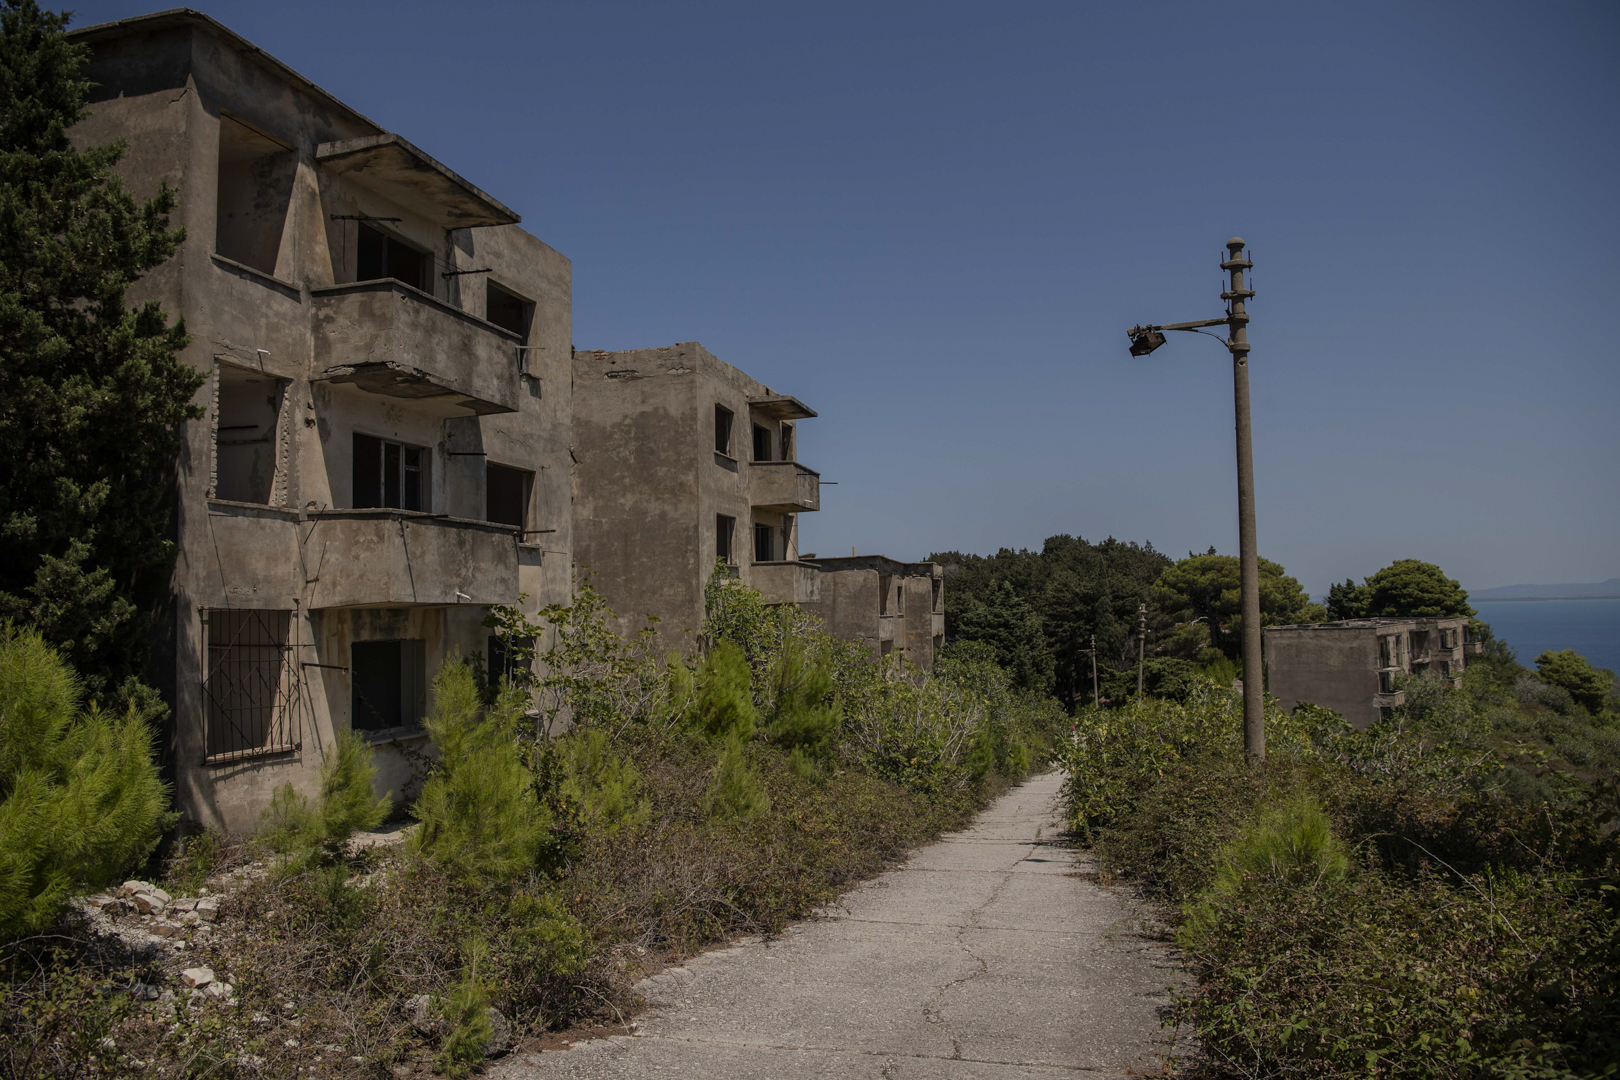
[[1144, 339]]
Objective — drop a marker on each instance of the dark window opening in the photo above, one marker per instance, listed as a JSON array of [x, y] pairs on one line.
[[939, 594], [764, 541], [255, 190], [506, 495], [787, 442], [390, 684], [389, 474], [379, 256], [250, 686], [504, 667], [885, 583], [724, 528], [722, 430], [246, 424], [900, 597], [762, 443], [507, 311]]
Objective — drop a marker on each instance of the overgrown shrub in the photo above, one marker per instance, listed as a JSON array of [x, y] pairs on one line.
[[1388, 902], [80, 797], [723, 707], [305, 834], [479, 817], [603, 785], [735, 793]]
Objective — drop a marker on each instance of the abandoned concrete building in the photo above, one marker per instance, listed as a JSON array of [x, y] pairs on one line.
[[385, 447], [1352, 667], [683, 460], [897, 608]]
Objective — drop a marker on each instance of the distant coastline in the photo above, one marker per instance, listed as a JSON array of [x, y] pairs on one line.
[[1534, 599], [1593, 590]]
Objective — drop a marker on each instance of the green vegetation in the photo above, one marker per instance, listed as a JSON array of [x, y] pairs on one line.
[[605, 810], [80, 798], [1039, 611], [94, 391], [1404, 588], [306, 835], [1436, 896]]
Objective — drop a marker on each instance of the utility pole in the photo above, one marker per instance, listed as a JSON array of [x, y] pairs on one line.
[[1144, 339], [1254, 674], [1094, 700], [1141, 644]]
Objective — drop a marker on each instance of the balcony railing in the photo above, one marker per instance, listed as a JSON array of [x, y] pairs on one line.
[[786, 582], [785, 487], [391, 339], [397, 558]]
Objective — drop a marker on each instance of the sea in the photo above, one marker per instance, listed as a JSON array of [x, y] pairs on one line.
[[1531, 627]]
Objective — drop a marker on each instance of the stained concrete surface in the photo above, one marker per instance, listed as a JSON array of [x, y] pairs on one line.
[[986, 956]]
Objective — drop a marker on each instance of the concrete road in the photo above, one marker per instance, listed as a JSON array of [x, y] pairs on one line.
[[986, 955]]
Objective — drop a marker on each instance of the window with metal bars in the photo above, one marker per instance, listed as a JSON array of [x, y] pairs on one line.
[[251, 687]]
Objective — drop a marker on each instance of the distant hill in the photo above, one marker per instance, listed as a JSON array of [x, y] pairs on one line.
[[1599, 589]]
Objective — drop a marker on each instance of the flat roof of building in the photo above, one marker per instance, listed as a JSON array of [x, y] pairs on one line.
[[390, 161]]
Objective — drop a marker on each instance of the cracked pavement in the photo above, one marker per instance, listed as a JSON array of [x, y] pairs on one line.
[[985, 955]]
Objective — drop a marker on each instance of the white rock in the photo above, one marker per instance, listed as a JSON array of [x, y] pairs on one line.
[[189, 918], [149, 903], [131, 887], [500, 1038], [163, 928], [197, 976], [183, 904], [222, 990], [207, 908]]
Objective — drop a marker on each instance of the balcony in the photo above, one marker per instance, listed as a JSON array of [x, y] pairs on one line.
[[397, 558], [785, 487], [786, 582], [387, 338]]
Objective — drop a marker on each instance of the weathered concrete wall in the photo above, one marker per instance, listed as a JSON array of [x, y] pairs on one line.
[[1332, 667], [650, 485], [169, 84], [886, 604]]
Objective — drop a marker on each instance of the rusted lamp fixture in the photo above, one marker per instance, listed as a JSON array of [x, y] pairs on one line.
[[1144, 341]]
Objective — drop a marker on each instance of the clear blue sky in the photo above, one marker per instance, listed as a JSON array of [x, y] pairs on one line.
[[933, 223]]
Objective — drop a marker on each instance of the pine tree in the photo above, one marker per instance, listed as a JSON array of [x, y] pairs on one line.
[[92, 392], [80, 798]]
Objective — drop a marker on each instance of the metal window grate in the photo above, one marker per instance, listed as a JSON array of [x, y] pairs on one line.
[[252, 696]]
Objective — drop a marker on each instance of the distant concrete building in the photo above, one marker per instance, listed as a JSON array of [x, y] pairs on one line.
[[385, 447], [1351, 666], [897, 608], [682, 460]]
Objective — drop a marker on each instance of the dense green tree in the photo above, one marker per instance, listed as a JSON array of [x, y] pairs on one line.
[[92, 392], [1589, 686], [1208, 587], [1013, 629], [1078, 589], [1406, 588], [1347, 601]]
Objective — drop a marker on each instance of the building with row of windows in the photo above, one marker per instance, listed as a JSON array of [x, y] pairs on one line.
[[1356, 667], [398, 432]]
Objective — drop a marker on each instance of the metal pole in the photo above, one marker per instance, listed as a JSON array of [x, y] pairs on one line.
[[1094, 698], [1254, 675], [1141, 644]]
